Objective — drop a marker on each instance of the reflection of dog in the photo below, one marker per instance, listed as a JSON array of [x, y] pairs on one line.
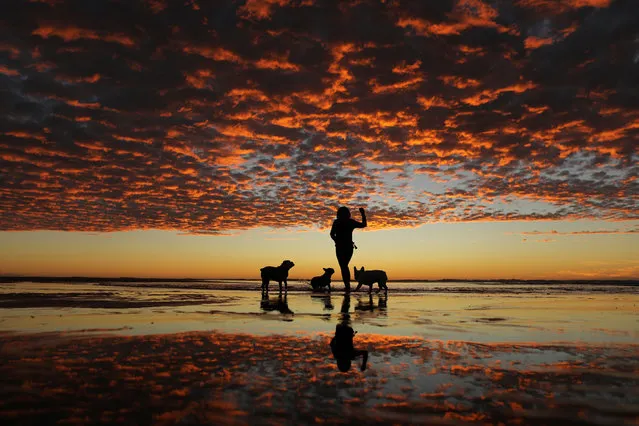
[[325, 299], [369, 278], [276, 273], [369, 305], [280, 304], [318, 283]]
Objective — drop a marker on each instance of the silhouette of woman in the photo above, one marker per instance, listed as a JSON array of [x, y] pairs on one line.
[[342, 343], [342, 234]]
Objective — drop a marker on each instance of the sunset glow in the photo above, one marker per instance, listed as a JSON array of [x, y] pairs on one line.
[[211, 138]]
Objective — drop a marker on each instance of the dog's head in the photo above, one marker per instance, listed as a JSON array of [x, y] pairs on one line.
[[357, 273], [287, 264], [329, 271]]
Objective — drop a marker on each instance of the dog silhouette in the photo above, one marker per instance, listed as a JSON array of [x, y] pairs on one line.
[[318, 283], [276, 273], [369, 278]]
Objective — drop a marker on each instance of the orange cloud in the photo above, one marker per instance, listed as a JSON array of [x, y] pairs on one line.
[[74, 33], [261, 9], [300, 101]]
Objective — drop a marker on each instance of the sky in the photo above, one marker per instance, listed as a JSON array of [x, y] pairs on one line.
[[485, 139]]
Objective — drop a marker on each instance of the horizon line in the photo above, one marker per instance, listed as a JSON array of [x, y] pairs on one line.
[[20, 277]]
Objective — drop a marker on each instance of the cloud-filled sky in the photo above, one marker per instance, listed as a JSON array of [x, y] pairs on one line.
[[214, 116], [211, 117]]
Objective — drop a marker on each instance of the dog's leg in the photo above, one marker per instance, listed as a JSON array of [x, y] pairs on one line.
[[285, 284], [359, 285]]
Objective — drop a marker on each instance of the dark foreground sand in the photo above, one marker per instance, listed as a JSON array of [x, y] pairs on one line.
[[241, 359]]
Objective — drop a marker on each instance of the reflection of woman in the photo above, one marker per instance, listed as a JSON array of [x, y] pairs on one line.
[[342, 343], [342, 234]]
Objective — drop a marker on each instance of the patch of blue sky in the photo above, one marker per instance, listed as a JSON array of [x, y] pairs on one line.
[[521, 206], [580, 164], [417, 184]]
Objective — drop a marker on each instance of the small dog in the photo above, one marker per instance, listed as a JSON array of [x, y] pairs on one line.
[[276, 273], [369, 278], [318, 283]]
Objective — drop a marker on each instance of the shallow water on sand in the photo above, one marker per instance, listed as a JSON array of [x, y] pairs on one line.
[[94, 353], [543, 316]]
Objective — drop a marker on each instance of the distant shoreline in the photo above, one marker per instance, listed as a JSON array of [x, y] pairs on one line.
[[45, 279]]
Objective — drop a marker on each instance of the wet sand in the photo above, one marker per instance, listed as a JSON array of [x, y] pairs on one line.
[[89, 354]]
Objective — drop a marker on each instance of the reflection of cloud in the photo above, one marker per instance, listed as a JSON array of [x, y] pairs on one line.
[[216, 378], [447, 112]]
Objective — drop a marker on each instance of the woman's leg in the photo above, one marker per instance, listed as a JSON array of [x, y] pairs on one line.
[[344, 255], [364, 355]]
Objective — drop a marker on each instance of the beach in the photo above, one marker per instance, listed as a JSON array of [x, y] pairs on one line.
[[218, 352], [159, 159]]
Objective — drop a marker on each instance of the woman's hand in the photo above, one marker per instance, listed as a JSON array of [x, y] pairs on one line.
[[363, 213]]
